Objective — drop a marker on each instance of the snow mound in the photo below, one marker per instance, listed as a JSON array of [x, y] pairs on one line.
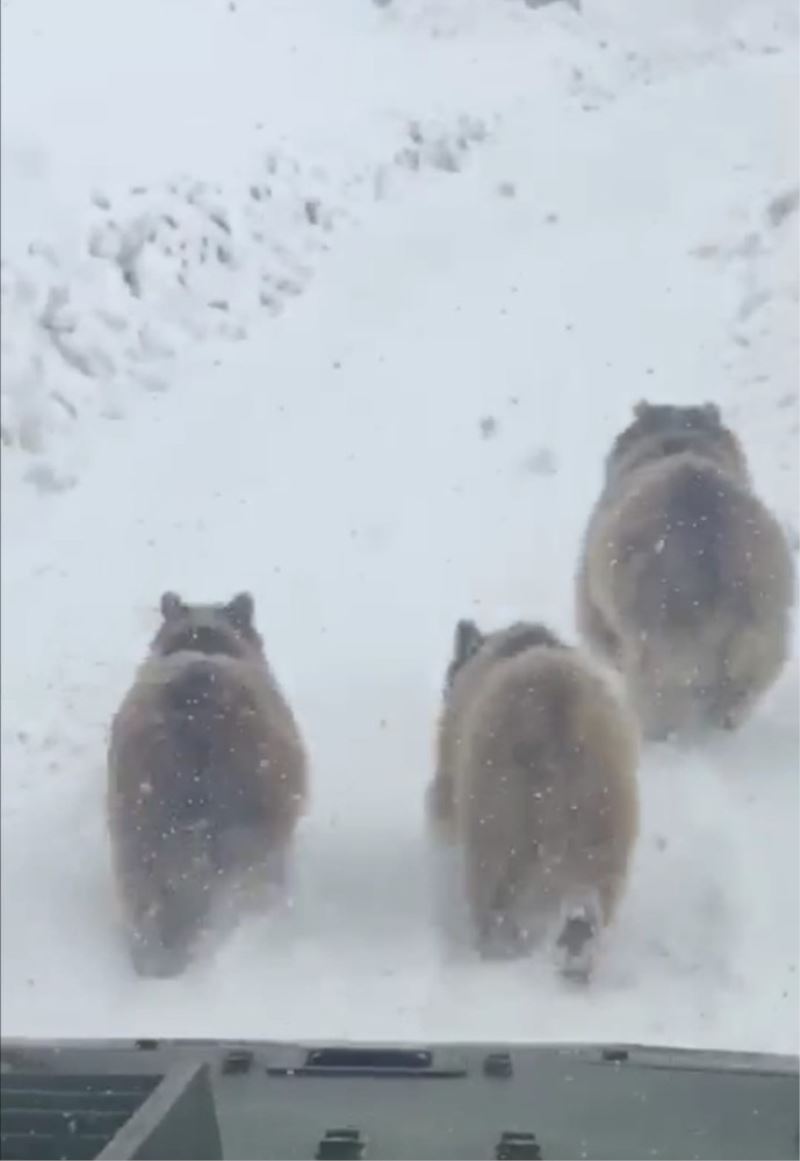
[[166, 266]]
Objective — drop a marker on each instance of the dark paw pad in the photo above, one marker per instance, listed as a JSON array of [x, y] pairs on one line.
[[576, 933], [575, 946]]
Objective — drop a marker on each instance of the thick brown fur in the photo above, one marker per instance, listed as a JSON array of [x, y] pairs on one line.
[[207, 777], [686, 582], [536, 784]]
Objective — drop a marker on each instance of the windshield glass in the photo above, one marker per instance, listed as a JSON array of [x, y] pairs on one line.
[[400, 476]]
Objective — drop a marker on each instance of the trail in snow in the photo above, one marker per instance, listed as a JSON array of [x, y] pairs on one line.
[[420, 437]]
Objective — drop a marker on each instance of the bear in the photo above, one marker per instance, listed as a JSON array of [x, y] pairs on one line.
[[207, 779], [686, 582], [536, 786]]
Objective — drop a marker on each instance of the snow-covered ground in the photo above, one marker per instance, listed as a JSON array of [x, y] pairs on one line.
[[343, 303]]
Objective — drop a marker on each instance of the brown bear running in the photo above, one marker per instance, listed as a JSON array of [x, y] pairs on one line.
[[207, 778], [686, 581], [536, 785]]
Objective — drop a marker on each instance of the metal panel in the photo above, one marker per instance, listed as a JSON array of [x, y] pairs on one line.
[[250, 1099]]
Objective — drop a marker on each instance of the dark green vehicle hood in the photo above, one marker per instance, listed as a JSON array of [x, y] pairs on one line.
[[213, 1099]]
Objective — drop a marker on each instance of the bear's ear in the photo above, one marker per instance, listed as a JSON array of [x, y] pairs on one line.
[[240, 610], [712, 412], [642, 408], [171, 606], [467, 641]]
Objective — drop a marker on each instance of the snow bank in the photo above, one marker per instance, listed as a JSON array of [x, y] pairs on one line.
[[160, 268]]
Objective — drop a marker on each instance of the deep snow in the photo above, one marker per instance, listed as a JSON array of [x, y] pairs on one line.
[[487, 233]]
